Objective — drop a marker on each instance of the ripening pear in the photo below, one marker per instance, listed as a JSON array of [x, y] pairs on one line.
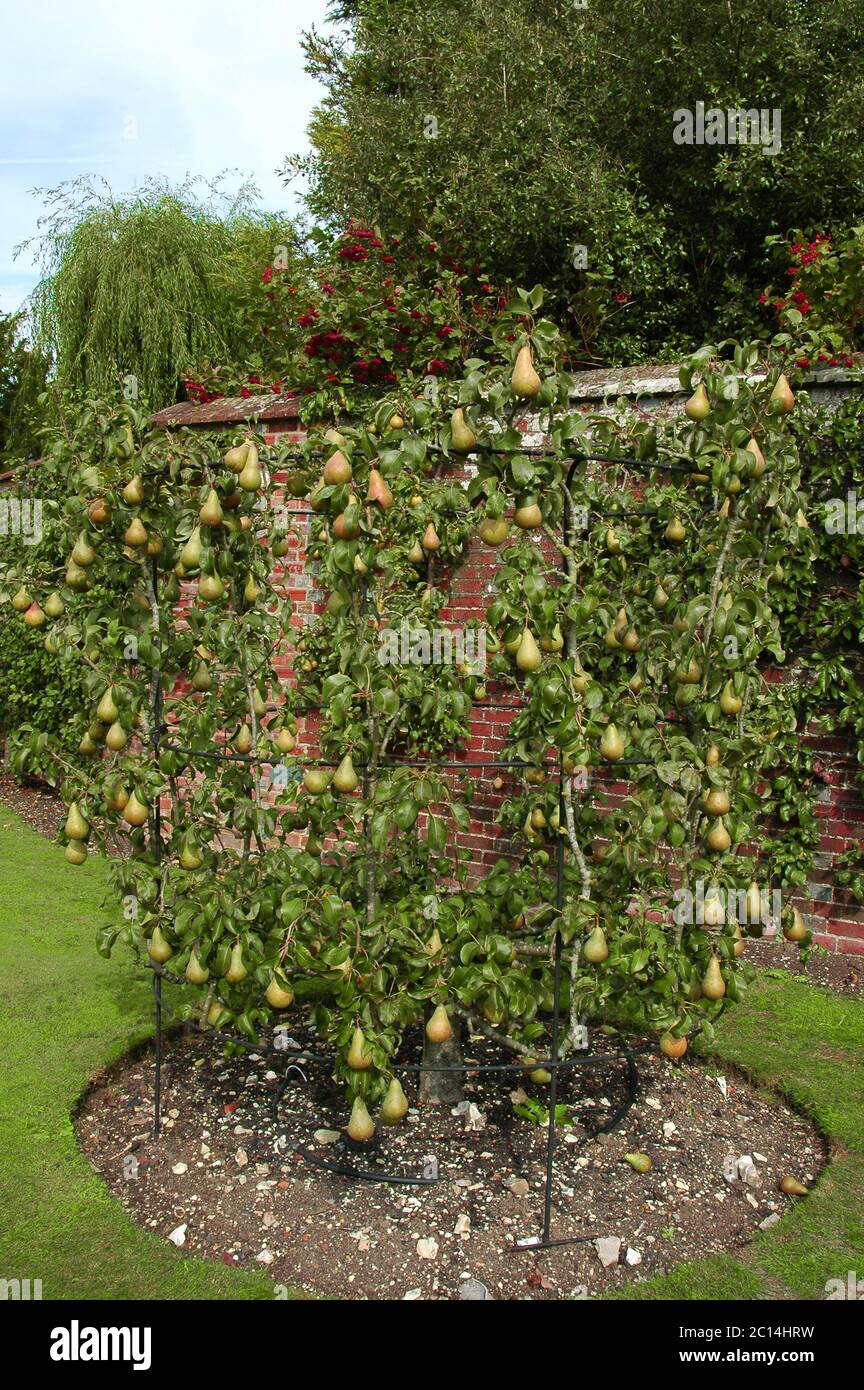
[[359, 1057], [190, 855], [494, 531], [462, 437], [796, 930], [698, 407], [613, 544], [202, 680], [236, 969], [415, 554], [430, 541], [675, 531], [730, 703], [595, 949], [525, 382], [753, 903], [251, 590], [279, 993], [190, 555], [77, 828], [210, 588], [717, 802], [54, 605], [757, 467], [611, 743], [439, 1029], [718, 838], [116, 737], [236, 458], [75, 852], [286, 741], [211, 514], [21, 601], [159, 950], [394, 1106], [106, 710], [528, 655], [133, 492], [250, 475], [554, 643], [712, 757], [83, 553], [35, 617], [528, 515], [380, 493], [739, 946], [316, 780], [135, 812], [243, 741], [361, 1126], [782, 396], [345, 779], [76, 578], [660, 599], [196, 973], [713, 984], [136, 533], [116, 796]]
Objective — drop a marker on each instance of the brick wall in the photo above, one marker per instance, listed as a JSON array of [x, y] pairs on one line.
[[831, 912]]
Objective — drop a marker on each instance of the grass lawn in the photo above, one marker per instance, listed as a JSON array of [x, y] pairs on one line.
[[65, 1013]]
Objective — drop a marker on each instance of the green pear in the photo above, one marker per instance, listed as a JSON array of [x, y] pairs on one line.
[[133, 492], [211, 514], [713, 984], [315, 780], [159, 950], [210, 588], [525, 382], [595, 949], [462, 437], [202, 680], [83, 553], [345, 779], [190, 555], [730, 703], [279, 994], [75, 852], [236, 458], [190, 856], [611, 743], [359, 1057], [528, 655], [250, 476], [135, 812], [698, 407], [236, 968], [675, 531], [196, 973], [439, 1029], [337, 470], [21, 601], [782, 398], [494, 531], [107, 710], [361, 1126], [718, 838], [136, 534], [116, 737], [394, 1106], [77, 828], [54, 605]]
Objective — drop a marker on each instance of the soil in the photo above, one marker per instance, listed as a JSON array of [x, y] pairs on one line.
[[226, 1172]]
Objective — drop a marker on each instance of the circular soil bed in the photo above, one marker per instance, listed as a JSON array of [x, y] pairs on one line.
[[224, 1179]]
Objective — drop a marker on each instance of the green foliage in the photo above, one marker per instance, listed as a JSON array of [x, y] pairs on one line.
[[517, 135], [22, 378], [137, 288], [37, 692]]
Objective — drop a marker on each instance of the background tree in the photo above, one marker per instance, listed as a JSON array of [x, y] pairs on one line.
[[22, 380], [551, 126]]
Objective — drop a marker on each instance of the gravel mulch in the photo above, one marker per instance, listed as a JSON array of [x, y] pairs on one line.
[[225, 1181]]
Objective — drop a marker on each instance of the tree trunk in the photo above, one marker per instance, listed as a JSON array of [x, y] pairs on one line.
[[442, 1087]]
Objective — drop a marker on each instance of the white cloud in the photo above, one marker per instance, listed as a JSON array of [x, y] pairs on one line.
[[199, 87]]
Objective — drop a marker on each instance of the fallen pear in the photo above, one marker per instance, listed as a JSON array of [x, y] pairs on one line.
[[524, 381], [595, 949], [279, 993], [792, 1187], [196, 973], [541, 1076], [159, 950], [438, 1028], [236, 968], [361, 1126], [611, 743], [359, 1057], [718, 838], [462, 437], [77, 828], [528, 655], [345, 779], [394, 1106], [639, 1162], [713, 984], [698, 407]]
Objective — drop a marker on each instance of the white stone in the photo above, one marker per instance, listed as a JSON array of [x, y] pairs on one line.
[[608, 1250], [427, 1248], [178, 1235], [180, 1168]]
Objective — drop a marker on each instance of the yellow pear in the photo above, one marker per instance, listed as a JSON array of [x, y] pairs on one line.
[[243, 741], [83, 553], [394, 1106], [713, 984], [159, 950], [21, 601], [196, 973], [361, 1126], [753, 903], [434, 944], [698, 407], [717, 802], [796, 930], [713, 908], [359, 1057], [712, 757], [611, 743], [279, 994], [782, 396], [462, 437], [528, 655], [415, 554], [286, 741], [214, 1013], [210, 588], [345, 779], [718, 838], [595, 949], [315, 780], [236, 968], [116, 737], [757, 467], [54, 605], [613, 544], [438, 1029], [528, 515], [431, 542], [525, 382], [133, 492]]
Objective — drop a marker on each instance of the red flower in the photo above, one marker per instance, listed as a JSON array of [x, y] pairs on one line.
[[326, 288], [254, 380], [306, 320], [802, 362], [433, 246], [763, 298], [355, 252], [245, 392], [445, 331], [268, 274], [388, 258], [436, 367]]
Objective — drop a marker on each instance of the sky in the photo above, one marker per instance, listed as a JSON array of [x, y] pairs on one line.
[[159, 87]]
